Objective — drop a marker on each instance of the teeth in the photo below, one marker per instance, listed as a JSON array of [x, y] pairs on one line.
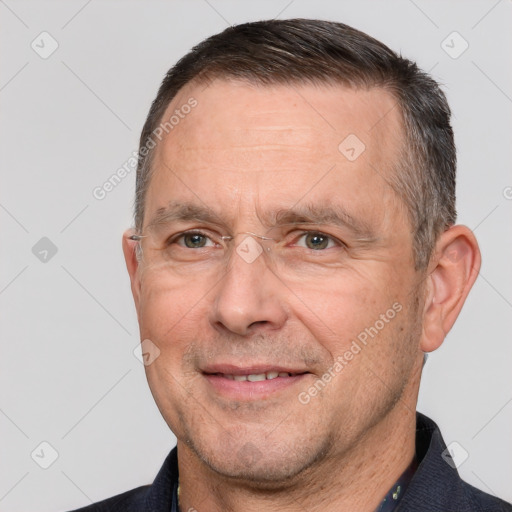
[[255, 377]]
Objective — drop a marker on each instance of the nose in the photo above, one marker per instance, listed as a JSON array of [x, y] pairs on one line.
[[250, 297]]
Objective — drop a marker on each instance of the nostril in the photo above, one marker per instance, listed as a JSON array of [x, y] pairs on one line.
[[259, 322]]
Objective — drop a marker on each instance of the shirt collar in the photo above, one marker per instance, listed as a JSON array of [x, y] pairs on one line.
[[392, 498]]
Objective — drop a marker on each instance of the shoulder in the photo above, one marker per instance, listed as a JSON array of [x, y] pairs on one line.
[[482, 502], [151, 498], [437, 485]]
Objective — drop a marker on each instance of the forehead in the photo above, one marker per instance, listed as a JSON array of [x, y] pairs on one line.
[[247, 146], [296, 113]]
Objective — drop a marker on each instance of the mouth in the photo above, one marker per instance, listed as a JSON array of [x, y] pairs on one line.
[[255, 383], [256, 377]]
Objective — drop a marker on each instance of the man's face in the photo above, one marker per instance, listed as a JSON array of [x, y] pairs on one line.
[[273, 160]]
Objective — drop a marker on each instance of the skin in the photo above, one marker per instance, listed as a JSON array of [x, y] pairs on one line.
[[269, 149]]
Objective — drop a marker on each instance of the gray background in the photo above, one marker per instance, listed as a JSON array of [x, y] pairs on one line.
[[68, 375]]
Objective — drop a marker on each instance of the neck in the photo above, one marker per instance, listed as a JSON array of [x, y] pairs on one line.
[[357, 480]]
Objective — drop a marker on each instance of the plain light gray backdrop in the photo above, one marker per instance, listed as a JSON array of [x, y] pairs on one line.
[[68, 375]]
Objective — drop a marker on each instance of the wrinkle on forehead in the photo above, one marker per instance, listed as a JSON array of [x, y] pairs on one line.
[[273, 117]]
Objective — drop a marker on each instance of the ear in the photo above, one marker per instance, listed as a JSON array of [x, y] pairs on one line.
[[453, 269], [132, 264]]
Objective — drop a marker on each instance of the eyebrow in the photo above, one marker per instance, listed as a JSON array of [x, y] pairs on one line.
[[329, 214], [176, 211], [306, 213]]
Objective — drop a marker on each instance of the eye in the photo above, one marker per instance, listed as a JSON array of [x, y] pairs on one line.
[[316, 241], [192, 240]]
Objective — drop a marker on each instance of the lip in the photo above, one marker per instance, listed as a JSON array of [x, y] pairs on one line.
[[216, 377], [232, 369]]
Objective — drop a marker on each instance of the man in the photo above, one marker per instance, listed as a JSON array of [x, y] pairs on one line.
[[294, 257]]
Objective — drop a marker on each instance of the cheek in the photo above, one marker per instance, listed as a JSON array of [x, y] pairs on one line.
[[164, 299], [345, 307], [171, 315]]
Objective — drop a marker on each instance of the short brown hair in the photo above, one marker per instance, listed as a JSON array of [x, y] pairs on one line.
[[304, 51]]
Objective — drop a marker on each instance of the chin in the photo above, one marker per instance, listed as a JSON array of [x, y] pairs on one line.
[[260, 463]]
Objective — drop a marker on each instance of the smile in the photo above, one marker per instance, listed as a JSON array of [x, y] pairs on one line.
[[255, 377], [249, 384]]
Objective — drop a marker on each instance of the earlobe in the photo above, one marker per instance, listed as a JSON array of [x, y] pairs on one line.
[[132, 264], [454, 268]]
